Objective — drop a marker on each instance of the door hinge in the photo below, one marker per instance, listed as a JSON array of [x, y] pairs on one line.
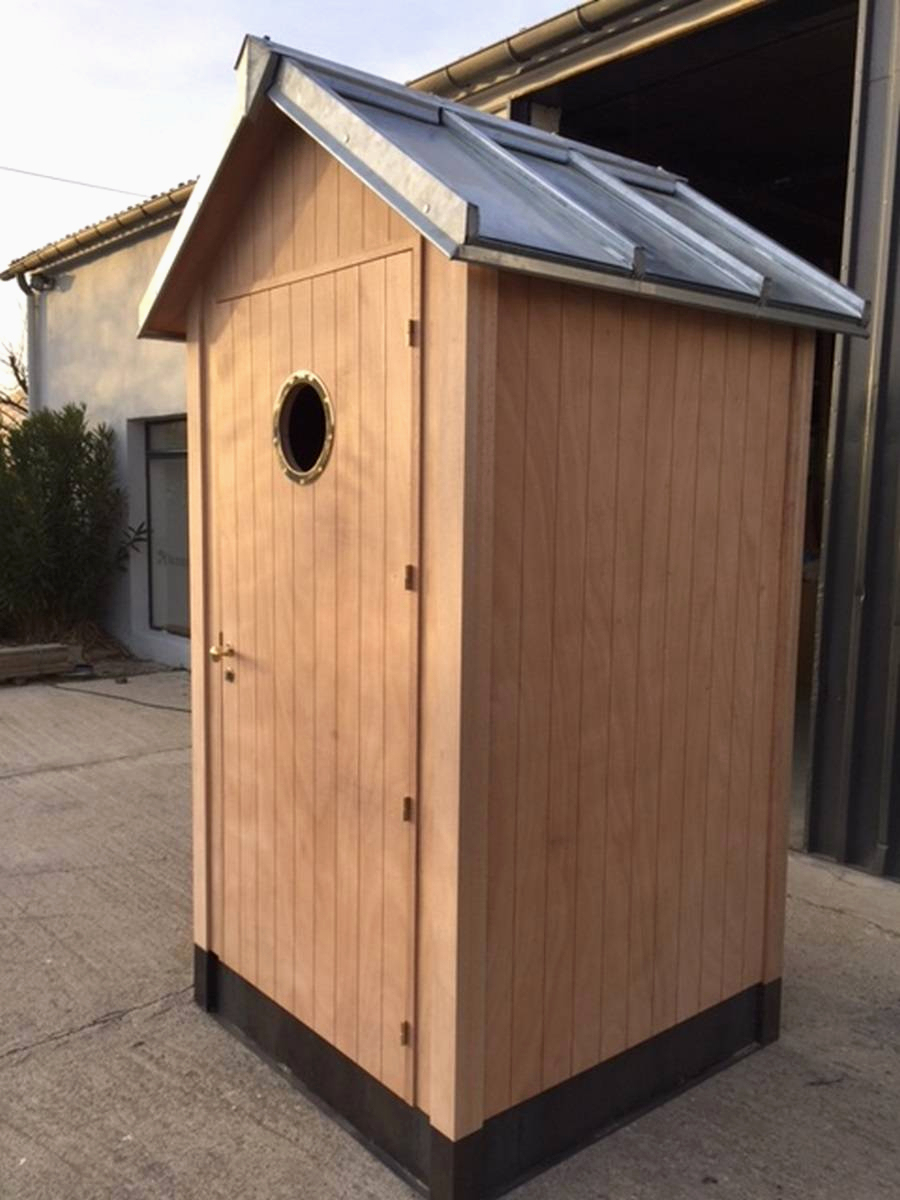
[[405, 1033], [412, 332], [409, 578], [407, 808]]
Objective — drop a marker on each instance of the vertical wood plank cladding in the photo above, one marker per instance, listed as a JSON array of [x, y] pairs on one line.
[[284, 734], [304, 692], [475, 700], [443, 866], [668, 513], [220, 281], [326, 229], [347, 471], [512, 337], [624, 676], [215, 317], [745, 655], [245, 641], [224, 522], [286, 731], [400, 632], [326, 585], [305, 200], [350, 213], [674, 666], [418, 1014], [397, 226], [262, 213], [242, 249], [535, 671], [372, 646], [565, 694], [786, 655], [375, 220], [706, 530], [309, 586], [305, 209], [734, 402], [202, 710], [766, 651], [651, 654], [283, 207], [595, 683], [264, 662]]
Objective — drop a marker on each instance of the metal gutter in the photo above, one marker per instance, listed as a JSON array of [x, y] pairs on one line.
[[569, 43], [154, 211]]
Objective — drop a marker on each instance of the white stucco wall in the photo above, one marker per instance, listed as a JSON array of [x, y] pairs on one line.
[[84, 350]]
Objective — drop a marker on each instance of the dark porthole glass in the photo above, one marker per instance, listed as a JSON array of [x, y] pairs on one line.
[[304, 427]]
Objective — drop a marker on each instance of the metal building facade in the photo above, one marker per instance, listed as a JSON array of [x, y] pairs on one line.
[[854, 810]]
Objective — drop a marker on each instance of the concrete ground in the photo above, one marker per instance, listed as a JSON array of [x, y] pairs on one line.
[[112, 1085]]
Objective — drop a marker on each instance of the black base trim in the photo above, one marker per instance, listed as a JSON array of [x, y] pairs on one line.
[[392, 1129], [769, 1013], [517, 1143], [206, 966]]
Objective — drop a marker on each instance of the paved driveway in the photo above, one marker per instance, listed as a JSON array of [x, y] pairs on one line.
[[112, 1085]]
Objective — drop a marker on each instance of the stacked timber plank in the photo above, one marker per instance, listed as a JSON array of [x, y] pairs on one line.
[[27, 662]]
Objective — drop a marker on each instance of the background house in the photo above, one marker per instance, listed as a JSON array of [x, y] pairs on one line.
[[83, 292]]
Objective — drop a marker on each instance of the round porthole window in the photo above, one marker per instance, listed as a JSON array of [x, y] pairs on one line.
[[303, 427]]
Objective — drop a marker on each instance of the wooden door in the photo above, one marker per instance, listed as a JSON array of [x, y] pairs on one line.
[[313, 720]]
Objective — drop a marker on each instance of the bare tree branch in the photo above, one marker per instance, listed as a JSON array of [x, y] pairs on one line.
[[14, 400], [14, 360]]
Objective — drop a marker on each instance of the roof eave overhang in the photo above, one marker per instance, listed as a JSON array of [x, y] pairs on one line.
[[629, 284]]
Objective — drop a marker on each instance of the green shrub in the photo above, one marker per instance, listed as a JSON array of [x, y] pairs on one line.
[[60, 517]]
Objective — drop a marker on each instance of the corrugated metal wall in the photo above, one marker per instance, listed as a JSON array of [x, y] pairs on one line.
[[854, 808]]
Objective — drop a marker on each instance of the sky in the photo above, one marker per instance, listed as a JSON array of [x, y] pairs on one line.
[[133, 95]]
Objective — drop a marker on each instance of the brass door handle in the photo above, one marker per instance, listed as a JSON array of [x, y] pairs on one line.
[[217, 653]]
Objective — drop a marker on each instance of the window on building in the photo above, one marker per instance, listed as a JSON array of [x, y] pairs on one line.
[[167, 521]]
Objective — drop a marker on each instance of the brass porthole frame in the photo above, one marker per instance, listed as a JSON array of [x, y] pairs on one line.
[[294, 381]]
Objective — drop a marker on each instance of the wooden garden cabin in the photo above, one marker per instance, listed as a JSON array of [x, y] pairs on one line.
[[497, 461]]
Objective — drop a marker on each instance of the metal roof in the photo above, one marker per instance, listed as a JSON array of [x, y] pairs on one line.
[[162, 208], [487, 190]]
